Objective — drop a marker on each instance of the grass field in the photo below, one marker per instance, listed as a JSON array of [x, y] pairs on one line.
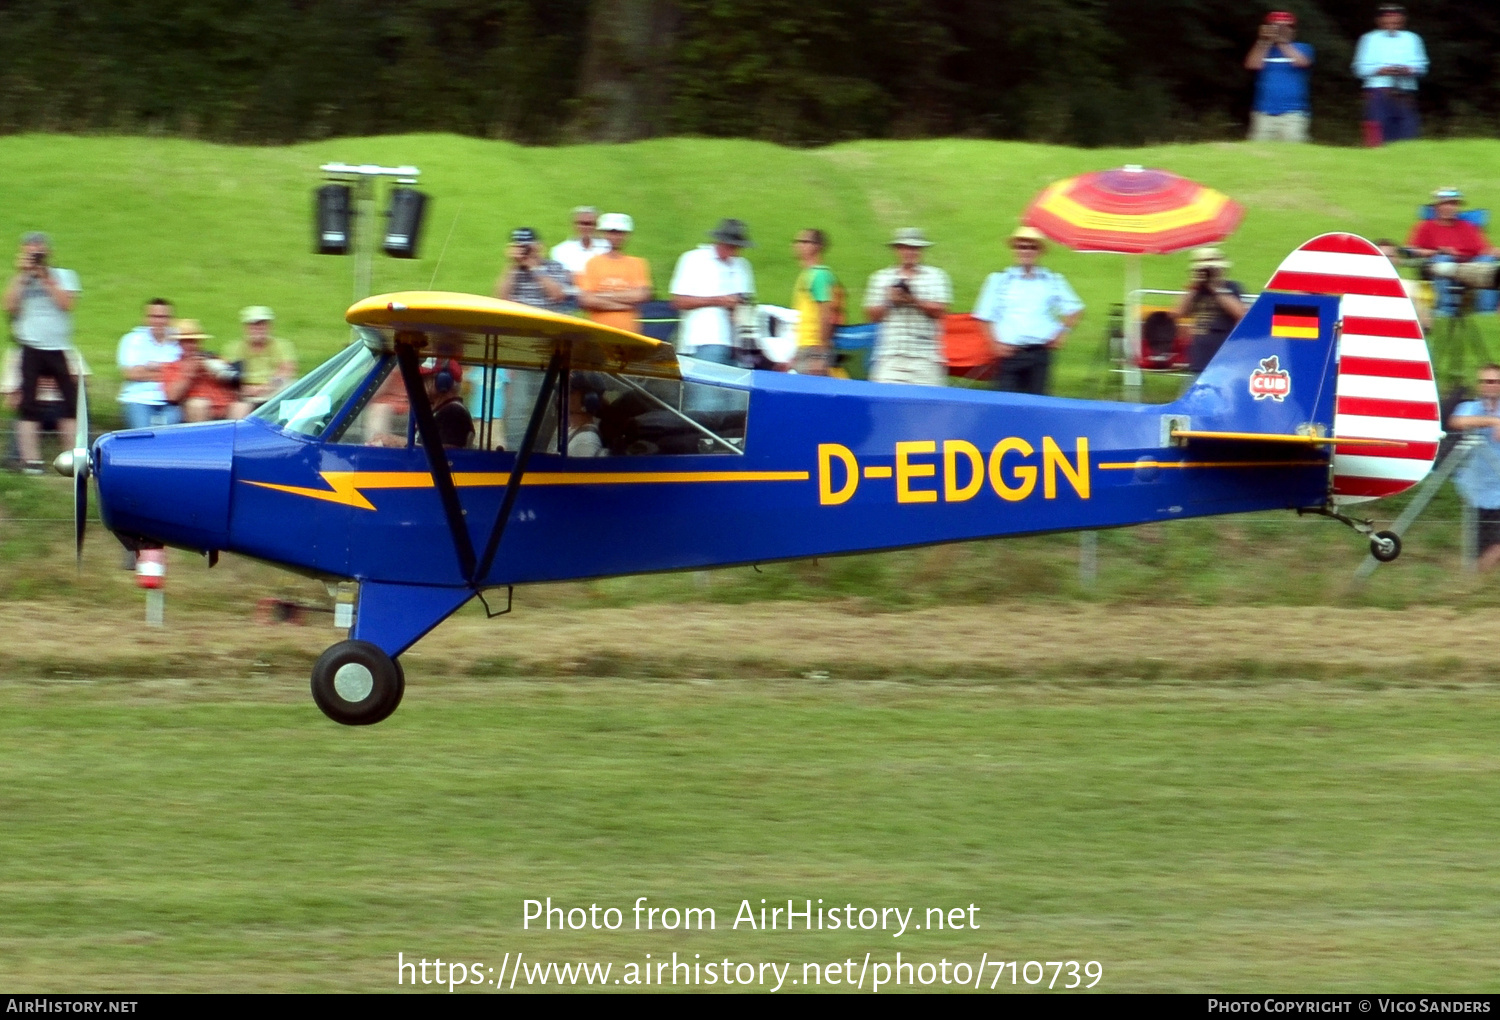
[[170, 845], [1265, 826], [216, 227]]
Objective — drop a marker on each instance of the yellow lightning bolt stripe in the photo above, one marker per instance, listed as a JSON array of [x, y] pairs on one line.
[[344, 486]]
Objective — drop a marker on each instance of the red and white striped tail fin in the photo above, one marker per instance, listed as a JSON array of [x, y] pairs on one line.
[[1385, 387]]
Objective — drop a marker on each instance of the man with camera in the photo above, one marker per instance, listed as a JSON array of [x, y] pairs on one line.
[[909, 301], [39, 300], [1456, 254], [1281, 111], [1212, 305], [531, 278]]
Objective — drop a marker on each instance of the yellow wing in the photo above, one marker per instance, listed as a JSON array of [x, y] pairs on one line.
[[492, 331]]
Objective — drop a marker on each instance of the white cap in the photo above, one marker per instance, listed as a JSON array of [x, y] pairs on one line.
[[616, 221]]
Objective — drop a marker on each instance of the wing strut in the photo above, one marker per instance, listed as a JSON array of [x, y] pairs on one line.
[[437, 458], [523, 458]]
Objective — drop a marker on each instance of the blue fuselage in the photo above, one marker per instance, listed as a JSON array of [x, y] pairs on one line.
[[828, 467]]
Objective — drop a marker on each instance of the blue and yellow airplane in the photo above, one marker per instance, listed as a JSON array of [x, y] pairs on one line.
[[596, 452]]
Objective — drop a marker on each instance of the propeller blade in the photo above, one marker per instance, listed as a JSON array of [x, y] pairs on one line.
[[80, 511]]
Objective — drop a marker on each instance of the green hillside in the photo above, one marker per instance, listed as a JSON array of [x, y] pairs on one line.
[[217, 227]]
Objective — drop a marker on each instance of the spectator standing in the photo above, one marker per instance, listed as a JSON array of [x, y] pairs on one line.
[[1479, 479], [531, 278], [575, 252], [1212, 305], [1282, 111], [1389, 61], [1447, 239], [267, 363], [142, 355], [613, 286], [199, 382], [711, 287], [815, 296], [908, 301], [39, 299], [1031, 311]]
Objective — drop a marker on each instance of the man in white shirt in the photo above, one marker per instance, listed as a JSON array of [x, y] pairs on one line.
[[1389, 61], [575, 252], [909, 301], [141, 354], [712, 287]]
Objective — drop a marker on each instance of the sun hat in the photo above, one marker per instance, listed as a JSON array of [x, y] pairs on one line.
[[909, 237], [1447, 195], [256, 313], [189, 329], [1025, 233], [616, 221], [1209, 258], [731, 231]]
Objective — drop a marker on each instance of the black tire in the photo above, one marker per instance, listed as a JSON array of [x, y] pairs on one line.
[[1385, 546], [364, 694]]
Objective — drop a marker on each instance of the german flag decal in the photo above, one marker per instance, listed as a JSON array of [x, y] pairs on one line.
[[1300, 322]]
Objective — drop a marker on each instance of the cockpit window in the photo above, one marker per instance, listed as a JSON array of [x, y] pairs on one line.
[[308, 405], [607, 415]]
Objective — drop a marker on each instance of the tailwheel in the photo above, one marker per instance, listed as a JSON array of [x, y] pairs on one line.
[[1385, 546], [355, 683]]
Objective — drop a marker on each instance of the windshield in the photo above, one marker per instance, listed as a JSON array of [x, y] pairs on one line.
[[309, 404]]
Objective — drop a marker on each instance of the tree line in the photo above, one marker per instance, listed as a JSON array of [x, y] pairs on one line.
[[805, 72]]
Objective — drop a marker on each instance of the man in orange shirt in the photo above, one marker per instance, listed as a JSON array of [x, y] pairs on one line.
[[200, 382], [613, 286]]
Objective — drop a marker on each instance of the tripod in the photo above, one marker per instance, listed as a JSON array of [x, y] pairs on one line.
[[1460, 340], [1469, 446]]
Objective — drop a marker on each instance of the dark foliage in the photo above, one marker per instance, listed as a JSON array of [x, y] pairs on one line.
[[1088, 72]]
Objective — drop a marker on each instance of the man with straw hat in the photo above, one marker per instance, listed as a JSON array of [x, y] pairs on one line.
[[1031, 311], [1211, 304], [908, 301], [199, 382]]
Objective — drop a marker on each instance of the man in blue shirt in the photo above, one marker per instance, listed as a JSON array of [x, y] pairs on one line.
[[1389, 61], [1030, 311], [1281, 111]]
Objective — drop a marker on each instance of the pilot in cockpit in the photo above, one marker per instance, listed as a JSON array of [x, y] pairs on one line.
[[585, 404], [443, 381]]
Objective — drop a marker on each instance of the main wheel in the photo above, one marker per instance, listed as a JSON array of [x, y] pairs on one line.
[[1385, 546], [355, 683]]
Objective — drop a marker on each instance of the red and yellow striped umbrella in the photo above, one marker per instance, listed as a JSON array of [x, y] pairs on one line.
[[1133, 210]]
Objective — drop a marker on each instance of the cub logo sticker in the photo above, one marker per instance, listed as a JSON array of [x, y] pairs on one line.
[[1270, 380]]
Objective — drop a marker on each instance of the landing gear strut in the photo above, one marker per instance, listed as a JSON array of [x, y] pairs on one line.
[[355, 683], [1385, 546]]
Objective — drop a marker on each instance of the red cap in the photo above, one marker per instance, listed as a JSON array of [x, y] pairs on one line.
[[1281, 18]]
